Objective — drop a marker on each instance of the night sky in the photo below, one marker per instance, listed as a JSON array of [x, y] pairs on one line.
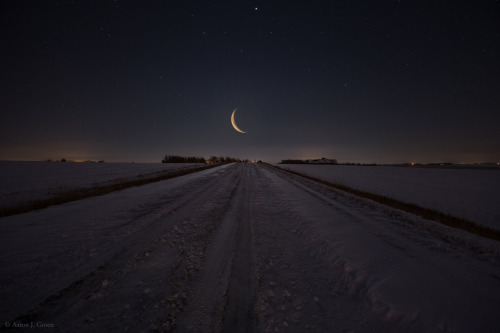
[[359, 81]]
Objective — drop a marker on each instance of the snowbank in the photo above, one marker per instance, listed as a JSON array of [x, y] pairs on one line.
[[468, 193], [28, 181]]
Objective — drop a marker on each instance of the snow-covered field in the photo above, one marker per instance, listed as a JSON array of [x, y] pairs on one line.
[[243, 248], [27, 181], [473, 194]]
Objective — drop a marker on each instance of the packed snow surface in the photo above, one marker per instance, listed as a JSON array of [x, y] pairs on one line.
[[243, 248], [472, 194], [28, 181]]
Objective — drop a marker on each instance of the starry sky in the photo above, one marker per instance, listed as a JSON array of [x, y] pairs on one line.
[[360, 81]]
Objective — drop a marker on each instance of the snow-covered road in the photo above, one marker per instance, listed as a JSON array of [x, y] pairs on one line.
[[242, 248]]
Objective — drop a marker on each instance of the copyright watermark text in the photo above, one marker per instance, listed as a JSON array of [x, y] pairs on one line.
[[31, 324]]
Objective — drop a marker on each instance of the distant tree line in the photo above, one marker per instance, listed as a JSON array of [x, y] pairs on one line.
[[292, 161], [360, 164], [192, 159], [317, 161], [222, 159], [183, 159], [81, 161]]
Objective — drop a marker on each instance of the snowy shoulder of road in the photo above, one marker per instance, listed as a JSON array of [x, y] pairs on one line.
[[466, 193], [46, 250], [28, 181]]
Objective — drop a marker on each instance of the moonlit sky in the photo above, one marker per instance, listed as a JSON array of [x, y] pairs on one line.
[[359, 81]]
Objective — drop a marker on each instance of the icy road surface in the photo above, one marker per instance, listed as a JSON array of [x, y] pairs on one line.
[[243, 248]]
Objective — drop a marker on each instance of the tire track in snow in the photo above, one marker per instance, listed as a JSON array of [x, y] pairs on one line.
[[239, 314], [222, 296], [299, 288]]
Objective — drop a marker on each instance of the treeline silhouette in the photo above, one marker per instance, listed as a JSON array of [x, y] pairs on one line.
[[193, 159], [292, 161], [317, 161], [183, 159]]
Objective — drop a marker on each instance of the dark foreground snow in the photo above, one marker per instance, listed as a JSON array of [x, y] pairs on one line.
[[242, 248]]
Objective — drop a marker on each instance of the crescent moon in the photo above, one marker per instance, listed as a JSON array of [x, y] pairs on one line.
[[234, 123]]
